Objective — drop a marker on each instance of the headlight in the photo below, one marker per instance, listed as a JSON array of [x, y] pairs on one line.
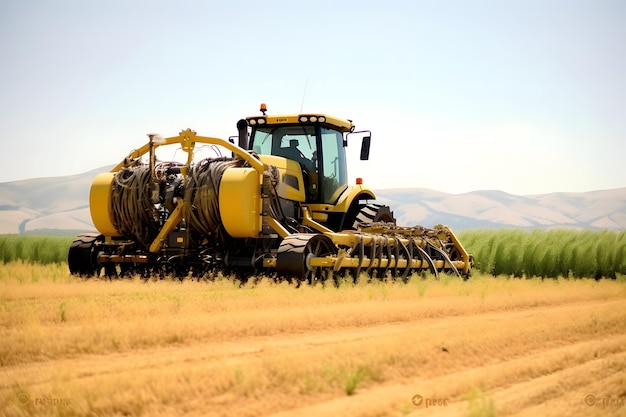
[[312, 119], [259, 121]]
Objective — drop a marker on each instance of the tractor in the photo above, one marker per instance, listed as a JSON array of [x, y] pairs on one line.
[[274, 199]]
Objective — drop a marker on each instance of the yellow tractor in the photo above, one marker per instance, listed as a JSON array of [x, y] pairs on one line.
[[278, 204]]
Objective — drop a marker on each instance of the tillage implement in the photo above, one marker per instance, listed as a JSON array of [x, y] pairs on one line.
[[279, 204]]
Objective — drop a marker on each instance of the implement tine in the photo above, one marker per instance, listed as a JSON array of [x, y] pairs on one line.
[[380, 253], [388, 247], [428, 259], [445, 257], [397, 256], [409, 258], [361, 256], [372, 254]]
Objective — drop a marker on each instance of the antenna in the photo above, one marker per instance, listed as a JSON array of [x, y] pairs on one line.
[[306, 81]]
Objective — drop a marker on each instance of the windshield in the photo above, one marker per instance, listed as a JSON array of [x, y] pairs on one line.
[[301, 143], [292, 142]]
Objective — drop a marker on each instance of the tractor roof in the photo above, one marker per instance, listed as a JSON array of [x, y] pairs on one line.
[[343, 125]]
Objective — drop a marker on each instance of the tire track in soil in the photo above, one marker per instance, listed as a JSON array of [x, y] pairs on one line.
[[530, 378]]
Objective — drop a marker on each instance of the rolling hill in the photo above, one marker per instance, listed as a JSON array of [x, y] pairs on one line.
[[59, 205], [603, 209]]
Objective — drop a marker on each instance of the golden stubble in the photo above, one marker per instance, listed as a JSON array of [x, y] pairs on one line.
[[164, 347]]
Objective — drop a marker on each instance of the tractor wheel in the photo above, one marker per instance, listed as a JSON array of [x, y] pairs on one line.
[[81, 257], [371, 213], [295, 252]]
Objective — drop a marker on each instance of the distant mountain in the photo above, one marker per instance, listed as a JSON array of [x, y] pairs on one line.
[[61, 205], [46, 204], [604, 209]]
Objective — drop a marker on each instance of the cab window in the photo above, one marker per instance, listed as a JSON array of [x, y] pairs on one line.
[[297, 143], [334, 165]]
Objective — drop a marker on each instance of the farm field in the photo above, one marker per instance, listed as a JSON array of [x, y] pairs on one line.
[[484, 347]]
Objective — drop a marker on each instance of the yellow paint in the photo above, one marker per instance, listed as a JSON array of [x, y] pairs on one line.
[[343, 125], [240, 202], [287, 167], [100, 204]]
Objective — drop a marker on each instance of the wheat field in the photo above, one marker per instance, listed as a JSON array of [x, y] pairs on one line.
[[489, 346]]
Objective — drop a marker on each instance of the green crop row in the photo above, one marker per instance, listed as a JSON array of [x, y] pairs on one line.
[[513, 252], [34, 248], [547, 253]]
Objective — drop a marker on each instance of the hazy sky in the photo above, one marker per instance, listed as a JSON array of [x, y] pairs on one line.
[[527, 97]]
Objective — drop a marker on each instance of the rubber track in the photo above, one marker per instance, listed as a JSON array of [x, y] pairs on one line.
[[293, 242], [79, 257], [290, 256]]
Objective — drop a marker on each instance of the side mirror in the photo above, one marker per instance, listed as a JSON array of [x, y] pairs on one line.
[[365, 148], [242, 133]]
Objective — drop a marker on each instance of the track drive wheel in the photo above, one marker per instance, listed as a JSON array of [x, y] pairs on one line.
[[371, 213], [81, 257], [295, 252]]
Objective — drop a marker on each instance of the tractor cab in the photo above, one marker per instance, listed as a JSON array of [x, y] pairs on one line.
[[315, 141]]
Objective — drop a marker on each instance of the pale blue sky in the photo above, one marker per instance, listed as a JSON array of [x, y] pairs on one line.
[[528, 97]]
